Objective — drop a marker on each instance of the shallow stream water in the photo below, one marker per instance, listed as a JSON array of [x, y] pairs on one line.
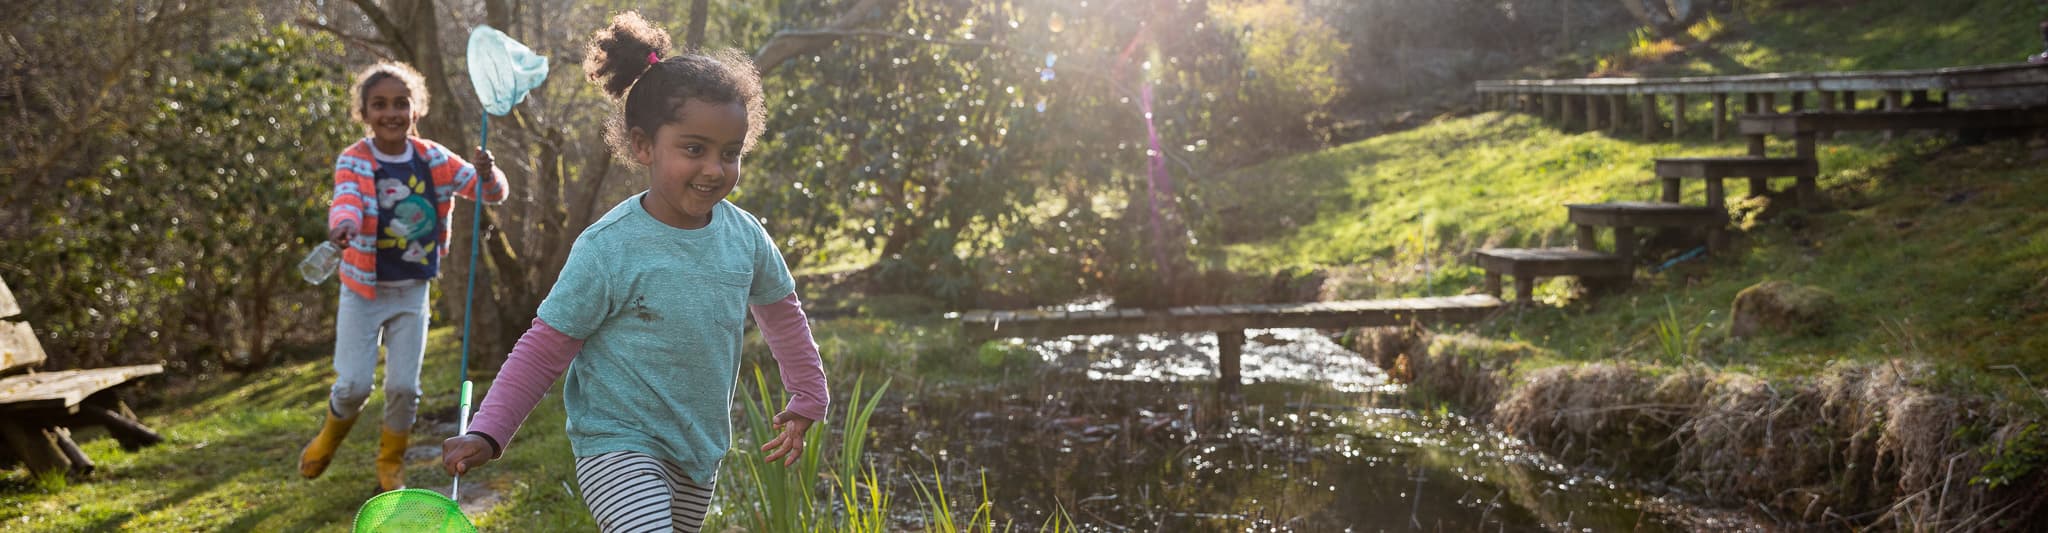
[[1126, 433]]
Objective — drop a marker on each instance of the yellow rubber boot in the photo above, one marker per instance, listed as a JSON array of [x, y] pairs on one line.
[[313, 460], [391, 460]]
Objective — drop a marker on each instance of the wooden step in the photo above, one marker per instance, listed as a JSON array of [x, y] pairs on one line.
[[1647, 215], [1527, 264], [1625, 217], [1757, 168], [1735, 167]]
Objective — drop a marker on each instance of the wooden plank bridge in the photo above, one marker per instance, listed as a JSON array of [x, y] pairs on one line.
[[1228, 321]]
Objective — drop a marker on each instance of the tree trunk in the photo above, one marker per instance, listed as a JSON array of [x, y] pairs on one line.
[[695, 39]]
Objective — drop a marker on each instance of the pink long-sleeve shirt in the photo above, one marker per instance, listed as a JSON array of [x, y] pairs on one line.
[[543, 354]]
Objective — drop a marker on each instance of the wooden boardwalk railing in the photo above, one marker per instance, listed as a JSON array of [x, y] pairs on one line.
[[1228, 321], [1597, 102]]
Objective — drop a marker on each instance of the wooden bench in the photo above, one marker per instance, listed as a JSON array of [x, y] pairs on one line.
[[38, 410]]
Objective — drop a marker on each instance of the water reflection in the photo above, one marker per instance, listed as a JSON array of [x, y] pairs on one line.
[[1125, 433]]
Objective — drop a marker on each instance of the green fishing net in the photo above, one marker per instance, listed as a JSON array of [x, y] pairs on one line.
[[412, 510]]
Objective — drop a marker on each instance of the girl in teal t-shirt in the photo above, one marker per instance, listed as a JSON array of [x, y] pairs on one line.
[[646, 318]]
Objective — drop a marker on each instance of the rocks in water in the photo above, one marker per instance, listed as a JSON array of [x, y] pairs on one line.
[[1782, 308]]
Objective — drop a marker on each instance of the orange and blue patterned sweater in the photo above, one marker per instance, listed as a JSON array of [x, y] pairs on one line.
[[355, 202]]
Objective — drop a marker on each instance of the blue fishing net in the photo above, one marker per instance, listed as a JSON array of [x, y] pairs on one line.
[[502, 70]]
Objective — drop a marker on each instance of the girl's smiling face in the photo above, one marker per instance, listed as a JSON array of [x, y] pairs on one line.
[[387, 109], [692, 161]]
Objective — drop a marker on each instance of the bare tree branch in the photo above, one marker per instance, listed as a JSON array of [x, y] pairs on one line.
[[385, 26], [379, 47], [901, 36], [781, 47]]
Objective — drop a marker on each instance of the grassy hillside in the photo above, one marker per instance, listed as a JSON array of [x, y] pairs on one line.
[[1812, 35], [1935, 250]]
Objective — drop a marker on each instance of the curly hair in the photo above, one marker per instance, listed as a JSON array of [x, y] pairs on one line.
[[359, 97], [652, 93]]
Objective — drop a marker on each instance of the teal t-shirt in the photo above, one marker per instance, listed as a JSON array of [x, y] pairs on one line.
[[660, 311]]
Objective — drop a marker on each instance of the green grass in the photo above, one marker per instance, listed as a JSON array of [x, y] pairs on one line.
[[229, 462], [1839, 35], [1941, 258], [1433, 194], [1888, 34]]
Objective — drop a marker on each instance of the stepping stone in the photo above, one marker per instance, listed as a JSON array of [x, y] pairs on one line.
[[1527, 264]]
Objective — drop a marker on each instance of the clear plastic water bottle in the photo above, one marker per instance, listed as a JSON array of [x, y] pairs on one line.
[[320, 263]]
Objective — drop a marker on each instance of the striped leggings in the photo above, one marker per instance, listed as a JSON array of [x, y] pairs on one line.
[[633, 492]]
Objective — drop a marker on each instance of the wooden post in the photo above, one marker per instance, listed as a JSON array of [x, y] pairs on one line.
[[1827, 103], [1893, 101], [1758, 185], [1525, 289], [1649, 113], [1588, 238], [80, 464], [1592, 112], [1625, 243], [1717, 197], [1848, 100], [1493, 284], [1770, 102], [35, 446], [1617, 107], [1920, 99], [1553, 106], [1678, 115], [1798, 101], [1569, 111], [1720, 116], [1229, 348], [1749, 103], [1671, 189], [1808, 187], [131, 434]]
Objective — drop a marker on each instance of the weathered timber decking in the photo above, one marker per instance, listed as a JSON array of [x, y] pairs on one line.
[[1594, 102], [1527, 264], [985, 324], [1646, 215], [1735, 167], [1953, 78], [64, 390], [1625, 217], [1806, 122]]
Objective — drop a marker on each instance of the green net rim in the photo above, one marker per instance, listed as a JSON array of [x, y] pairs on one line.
[[412, 495]]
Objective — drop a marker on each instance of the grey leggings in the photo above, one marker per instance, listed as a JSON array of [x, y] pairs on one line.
[[397, 319]]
